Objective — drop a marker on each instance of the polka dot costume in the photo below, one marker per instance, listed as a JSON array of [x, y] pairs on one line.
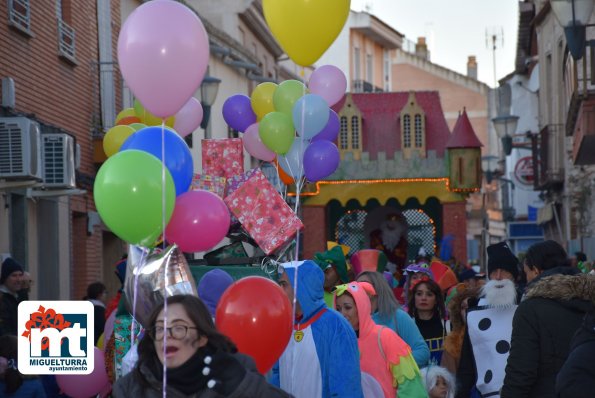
[[489, 331]]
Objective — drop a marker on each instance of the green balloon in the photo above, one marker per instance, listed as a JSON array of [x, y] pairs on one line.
[[287, 94], [277, 132], [128, 194]]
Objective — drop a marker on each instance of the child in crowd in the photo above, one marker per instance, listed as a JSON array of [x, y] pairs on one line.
[[438, 381]]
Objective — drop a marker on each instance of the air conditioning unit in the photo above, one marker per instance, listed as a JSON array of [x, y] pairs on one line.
[[20, 155], [58, 161]]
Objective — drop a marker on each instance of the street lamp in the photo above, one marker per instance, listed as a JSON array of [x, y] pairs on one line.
[[208, 93], [574, 17], [505, 126], [487, 166]]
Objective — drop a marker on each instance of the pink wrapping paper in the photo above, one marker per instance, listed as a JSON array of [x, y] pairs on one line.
[[222, 157], [263, 213]]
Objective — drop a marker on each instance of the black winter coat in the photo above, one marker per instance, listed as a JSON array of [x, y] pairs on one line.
[[253, 385], [9, 305], [576, 379], [542, 329]]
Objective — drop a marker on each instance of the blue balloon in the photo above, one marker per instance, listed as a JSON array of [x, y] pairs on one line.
[[292, 161], [310, 115], [178, 158]]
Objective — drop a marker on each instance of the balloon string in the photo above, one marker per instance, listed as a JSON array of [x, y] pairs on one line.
[[163, 175], [136, 274]]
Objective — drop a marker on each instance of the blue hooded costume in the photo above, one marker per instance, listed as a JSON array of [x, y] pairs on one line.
[[322, 357]]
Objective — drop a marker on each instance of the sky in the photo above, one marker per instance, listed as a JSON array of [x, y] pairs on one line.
[[455, 29]]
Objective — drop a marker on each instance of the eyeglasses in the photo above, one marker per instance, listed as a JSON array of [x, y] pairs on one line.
[[177, 332]]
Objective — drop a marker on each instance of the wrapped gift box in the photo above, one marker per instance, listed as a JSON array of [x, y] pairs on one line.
[[222, 157], [233, 183], [263, 213], [209, 183]]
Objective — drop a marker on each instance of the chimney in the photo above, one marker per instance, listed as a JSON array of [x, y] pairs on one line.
[[421, 48], [472, 67]]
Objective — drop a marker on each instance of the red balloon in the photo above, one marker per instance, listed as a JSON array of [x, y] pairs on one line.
[[256, 315]]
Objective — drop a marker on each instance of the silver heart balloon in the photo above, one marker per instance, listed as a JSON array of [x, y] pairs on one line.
[[153, 275]]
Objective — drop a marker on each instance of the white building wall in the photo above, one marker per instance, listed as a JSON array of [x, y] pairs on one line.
[[524, 100]]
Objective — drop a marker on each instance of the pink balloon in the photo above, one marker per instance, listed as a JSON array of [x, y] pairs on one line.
[[85, 386], [255, 146], [189, 117], [200, 221], [329, 82], [163, 53]]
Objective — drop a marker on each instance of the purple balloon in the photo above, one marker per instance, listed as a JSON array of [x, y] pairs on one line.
[[321, 159], [331, 130], [238, 113]]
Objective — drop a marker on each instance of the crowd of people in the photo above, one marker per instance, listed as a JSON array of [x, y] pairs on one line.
[[519, 330]]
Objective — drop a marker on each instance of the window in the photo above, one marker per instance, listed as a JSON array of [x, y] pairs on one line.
[[356, 64], [344, 136], [406, 131], [413, 138], [386, 71], [369, 68], [418, 131], [350, 134], [19, 15], [354, 132], [66, 34]]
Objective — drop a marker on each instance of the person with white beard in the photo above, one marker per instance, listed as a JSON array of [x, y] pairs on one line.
[[391, 238], [489, 327]]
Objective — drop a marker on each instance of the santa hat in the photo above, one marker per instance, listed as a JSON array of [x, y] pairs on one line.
[[9, 266]]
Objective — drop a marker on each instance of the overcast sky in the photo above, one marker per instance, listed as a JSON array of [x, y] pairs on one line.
[[456, 29]]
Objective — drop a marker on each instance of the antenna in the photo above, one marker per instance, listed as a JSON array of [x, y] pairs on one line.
[[368, 7], [495, 40]]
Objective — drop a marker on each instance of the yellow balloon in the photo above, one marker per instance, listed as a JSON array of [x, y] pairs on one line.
[[100, 342], [127, 112], [306, 28], [115, 137], [148, 118], [137, 126], [262, 99]]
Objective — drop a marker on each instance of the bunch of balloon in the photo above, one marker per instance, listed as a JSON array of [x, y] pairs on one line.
[[163, 53], [270, 117]]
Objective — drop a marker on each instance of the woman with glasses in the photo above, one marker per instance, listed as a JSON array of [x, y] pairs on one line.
[[199, 361]]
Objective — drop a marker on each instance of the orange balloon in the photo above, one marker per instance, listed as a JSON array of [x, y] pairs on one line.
[[256, 315], [286, 178], [125, 121]]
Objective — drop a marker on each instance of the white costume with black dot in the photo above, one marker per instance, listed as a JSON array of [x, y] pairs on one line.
[[490, 329]]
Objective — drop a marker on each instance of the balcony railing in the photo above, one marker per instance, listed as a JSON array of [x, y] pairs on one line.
[[362, 86], [66, 40], [547, 174]]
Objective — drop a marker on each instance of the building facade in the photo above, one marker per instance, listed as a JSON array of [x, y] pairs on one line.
[[56, 78]]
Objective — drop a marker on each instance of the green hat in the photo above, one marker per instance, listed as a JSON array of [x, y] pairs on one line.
[[334, 257]]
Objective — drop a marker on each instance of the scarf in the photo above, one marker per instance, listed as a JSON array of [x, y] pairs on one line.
[[184, 377]]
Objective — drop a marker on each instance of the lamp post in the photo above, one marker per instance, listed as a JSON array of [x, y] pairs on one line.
[[574, 17], [505, 126], [208, 94], [489, 171]]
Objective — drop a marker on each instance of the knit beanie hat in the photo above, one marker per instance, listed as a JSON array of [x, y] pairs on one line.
[[500, 257], [212, 286], [9, 265]]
